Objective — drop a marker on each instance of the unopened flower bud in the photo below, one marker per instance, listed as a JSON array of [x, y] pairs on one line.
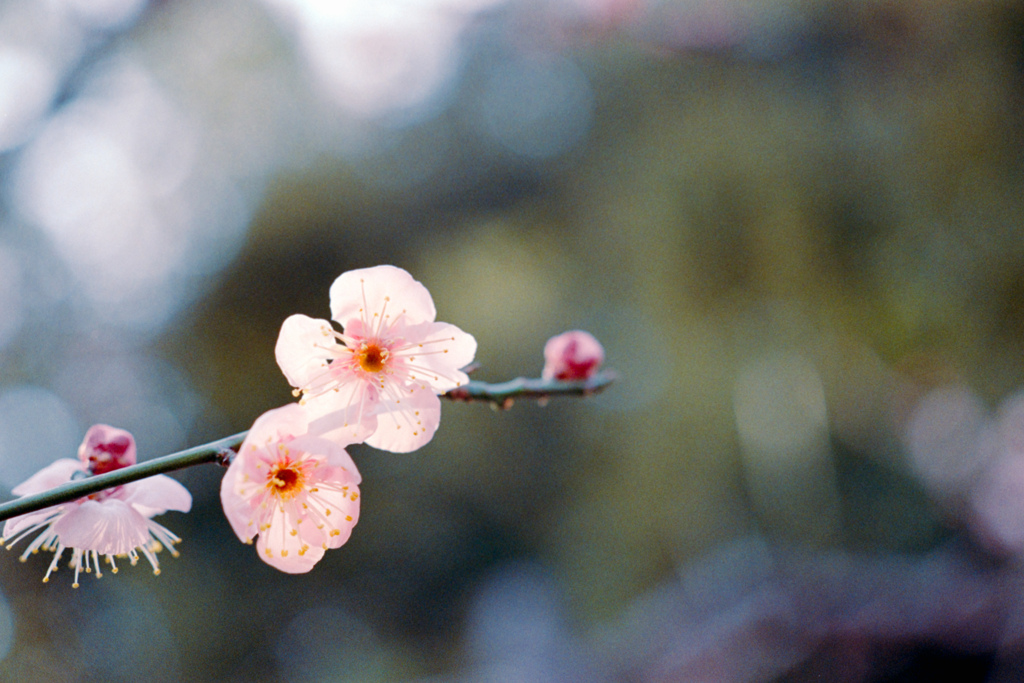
[[106, 448], [574, 355]]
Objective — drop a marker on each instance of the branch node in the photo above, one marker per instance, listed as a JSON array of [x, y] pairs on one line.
[[225, 456]]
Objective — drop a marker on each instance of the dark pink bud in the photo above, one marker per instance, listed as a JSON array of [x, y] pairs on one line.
[[572, 355], [106, 448]]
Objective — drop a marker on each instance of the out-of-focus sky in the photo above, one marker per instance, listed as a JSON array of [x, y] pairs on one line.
[[796, 227]]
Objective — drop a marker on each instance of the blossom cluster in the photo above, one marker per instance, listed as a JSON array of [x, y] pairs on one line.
[[377, 380], [116, 522], [292, 488]]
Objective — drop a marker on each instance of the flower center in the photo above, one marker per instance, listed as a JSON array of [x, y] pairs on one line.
[[372, 357], [285, 480]]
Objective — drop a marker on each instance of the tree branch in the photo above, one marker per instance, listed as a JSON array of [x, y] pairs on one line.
[[503, 394], [223, 450]]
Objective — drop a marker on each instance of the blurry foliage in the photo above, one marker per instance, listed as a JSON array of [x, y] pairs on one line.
[[853, 197]]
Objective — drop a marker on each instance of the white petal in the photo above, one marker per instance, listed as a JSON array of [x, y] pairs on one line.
[[404, 427], [346, 416], [299, 350], [334, 454], [359, 294], [15, 525], [53, 475], [238, 510], [281, 550], [156, 495], [438, 352], [344, 505], [285, 422], [110, 527]]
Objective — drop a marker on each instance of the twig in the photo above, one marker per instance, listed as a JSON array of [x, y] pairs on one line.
[[503, 394], [223, 450]]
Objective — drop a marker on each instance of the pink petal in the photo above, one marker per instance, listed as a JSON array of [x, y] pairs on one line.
[[55, 474], [106, 448], [573, 355], [156, 495], [298, 349], [110, 527], [445, 349], [346, 416], [285, 422], [335, 455], [358, 294], [16, 524], [404, 427], [344, 508], [280, 549], [237, 509]]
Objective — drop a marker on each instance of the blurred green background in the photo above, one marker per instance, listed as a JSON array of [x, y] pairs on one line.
[[789, 223]]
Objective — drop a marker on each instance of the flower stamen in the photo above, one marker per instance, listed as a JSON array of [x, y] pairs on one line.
[[371, 357]]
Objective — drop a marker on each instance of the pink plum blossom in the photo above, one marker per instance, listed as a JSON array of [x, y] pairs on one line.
[[106, 448], [112, 523], [379, 379], [574, 355], [298, 492]]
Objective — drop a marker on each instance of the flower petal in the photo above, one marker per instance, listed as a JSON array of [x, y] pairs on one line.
[[283, 551], [156, 495], [278, 424], [360, 294], [343, 504], [346, 416], [404, 427], [56, 473], [15, 525], [573, 355], [299, 349], [237, 509], [106, 448], [336, 456], [437, 352], [110, 527]]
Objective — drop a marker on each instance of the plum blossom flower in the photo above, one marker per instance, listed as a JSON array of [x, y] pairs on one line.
[[298, 492], [574, 355], [106, 449], [379, 378], [112, 523]]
